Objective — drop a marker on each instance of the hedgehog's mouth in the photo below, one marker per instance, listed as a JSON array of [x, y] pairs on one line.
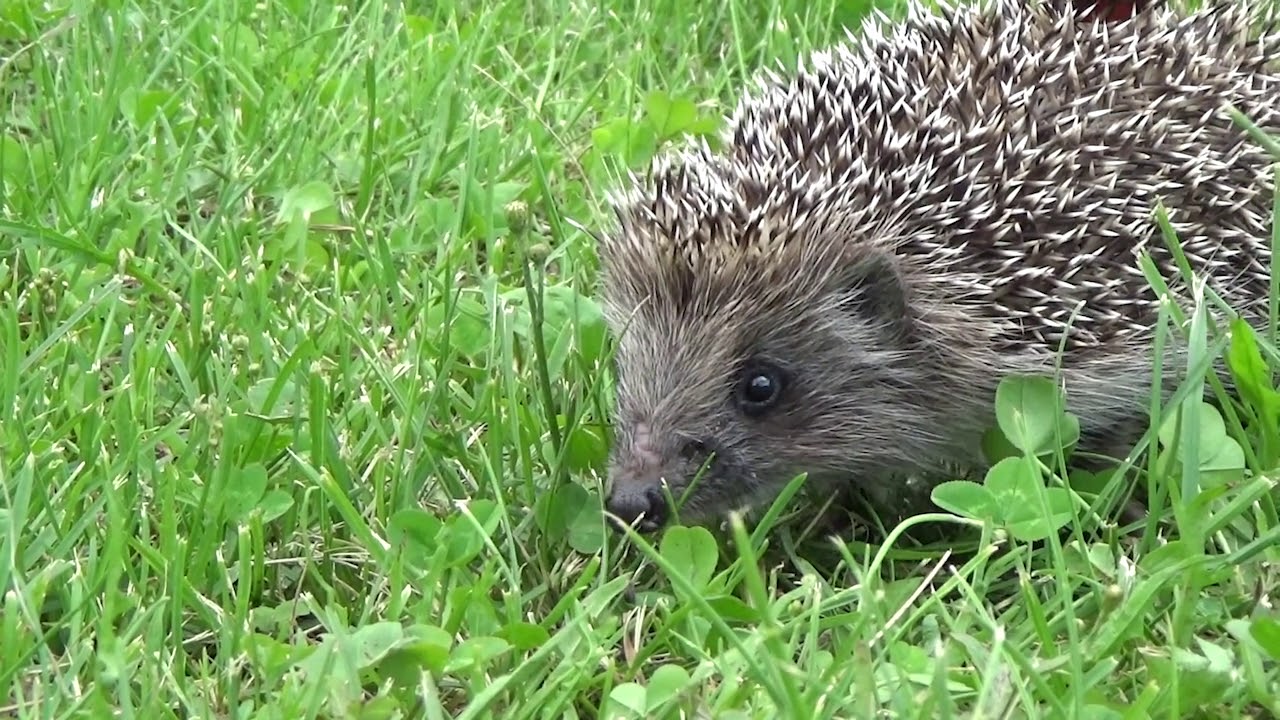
[[644, 505], [695, 499]]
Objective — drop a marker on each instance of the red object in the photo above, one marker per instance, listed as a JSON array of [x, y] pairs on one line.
[[1109, 10]]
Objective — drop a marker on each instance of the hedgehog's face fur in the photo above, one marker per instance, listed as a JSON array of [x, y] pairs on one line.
[[747, 358]]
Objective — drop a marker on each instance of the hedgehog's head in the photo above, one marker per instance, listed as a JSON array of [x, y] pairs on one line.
[[760, 336]]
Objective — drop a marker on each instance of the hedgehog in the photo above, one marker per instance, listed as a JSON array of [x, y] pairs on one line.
[[914, 213]]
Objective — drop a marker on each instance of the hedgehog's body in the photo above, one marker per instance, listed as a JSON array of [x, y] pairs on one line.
[[916, 215]]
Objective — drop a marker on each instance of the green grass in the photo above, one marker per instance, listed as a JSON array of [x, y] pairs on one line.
[[284, 433]]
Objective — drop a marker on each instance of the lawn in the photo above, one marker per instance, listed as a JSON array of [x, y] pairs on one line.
[[305, 405]]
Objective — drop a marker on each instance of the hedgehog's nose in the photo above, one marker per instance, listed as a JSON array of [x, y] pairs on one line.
[[638, 504]]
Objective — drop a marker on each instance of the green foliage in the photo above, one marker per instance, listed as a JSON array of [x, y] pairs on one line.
[[1031, 417], [1252, 376], [664, 119], [305, 406]]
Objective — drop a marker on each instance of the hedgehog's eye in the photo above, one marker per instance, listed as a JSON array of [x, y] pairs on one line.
[[760, 388]]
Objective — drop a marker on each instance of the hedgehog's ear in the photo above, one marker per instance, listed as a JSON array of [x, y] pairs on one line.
[[873, 287]]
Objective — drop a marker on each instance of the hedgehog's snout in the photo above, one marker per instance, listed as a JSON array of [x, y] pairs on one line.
[[641, 472], [639, 504]]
